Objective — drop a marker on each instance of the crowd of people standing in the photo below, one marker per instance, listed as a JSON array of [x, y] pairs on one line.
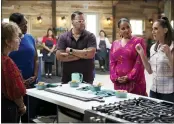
[[77, 49]]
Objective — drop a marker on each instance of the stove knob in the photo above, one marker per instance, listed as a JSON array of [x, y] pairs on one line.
[[103, 120], [91, 119]]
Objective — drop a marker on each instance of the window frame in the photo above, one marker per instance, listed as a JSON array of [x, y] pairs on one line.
[[143, 25], [97, 20]]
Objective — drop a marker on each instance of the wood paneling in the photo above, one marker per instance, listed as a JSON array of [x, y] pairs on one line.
[[135, 9]]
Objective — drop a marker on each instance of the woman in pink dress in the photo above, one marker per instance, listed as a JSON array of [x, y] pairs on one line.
[[126, 68]]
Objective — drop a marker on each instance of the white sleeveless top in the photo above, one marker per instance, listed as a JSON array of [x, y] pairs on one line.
[[163, 80]]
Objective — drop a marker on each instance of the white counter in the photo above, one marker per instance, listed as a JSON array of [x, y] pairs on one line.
[[73, 104]]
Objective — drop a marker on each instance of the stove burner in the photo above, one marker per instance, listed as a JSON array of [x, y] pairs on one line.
[[141, 110]]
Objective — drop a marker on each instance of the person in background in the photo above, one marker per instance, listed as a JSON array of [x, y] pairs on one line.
[[126, 68], [103, 47], [12, 83], [26, 59], [161, 62], [76, 49], [149, 41], [49, 44]]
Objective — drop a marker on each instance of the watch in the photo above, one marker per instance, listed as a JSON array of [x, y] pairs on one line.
[[70, 51]]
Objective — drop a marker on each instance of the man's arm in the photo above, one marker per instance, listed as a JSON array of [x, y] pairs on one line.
[[65, 57], [88, 53], [61, 53], [36, 63]]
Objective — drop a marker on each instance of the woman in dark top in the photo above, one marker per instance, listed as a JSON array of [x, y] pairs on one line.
[[103, 45], [49, 43], [12, 83]]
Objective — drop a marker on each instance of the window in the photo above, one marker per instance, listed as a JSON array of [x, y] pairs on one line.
[[91, 23], [5, 20], [137, 27]]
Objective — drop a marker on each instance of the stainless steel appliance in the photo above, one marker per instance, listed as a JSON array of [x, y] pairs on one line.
[[138, 110]]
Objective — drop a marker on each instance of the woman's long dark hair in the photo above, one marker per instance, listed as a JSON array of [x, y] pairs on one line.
[[164, 22], [50, 29]]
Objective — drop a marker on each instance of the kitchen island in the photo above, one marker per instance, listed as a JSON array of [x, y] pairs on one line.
[[71, 103]]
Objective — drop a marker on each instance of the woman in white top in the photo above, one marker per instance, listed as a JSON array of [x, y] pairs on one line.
[[103, 47], [161, 62]]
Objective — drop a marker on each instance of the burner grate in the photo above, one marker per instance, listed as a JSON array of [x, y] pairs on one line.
[[139, 110]]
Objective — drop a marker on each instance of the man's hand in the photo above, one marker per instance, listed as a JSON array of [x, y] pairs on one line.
[[30, 80], [68, 50], [122, 79]]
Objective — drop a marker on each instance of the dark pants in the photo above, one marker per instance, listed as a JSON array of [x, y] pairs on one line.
[[9, 111], [31, 107], [166, 97], [100, 59], [48, 67], [103, 60]]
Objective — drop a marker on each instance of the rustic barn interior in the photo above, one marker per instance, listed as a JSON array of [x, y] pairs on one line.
[[57, 14], [99, 15]]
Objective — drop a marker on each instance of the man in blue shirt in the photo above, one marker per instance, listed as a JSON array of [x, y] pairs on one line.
[[26, 58]]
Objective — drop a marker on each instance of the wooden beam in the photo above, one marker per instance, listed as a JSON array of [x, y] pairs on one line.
[[168, 9], [172, 11], [54, 16], [114, 22]]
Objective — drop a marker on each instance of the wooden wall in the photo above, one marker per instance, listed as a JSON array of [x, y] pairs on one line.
[[103, 9], [137, 10], [31, 9], [132, 9]]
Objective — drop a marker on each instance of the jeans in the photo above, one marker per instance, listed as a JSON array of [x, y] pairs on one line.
[[161, 96]]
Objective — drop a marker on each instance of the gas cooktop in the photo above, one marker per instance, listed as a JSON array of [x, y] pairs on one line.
[[138, 110]]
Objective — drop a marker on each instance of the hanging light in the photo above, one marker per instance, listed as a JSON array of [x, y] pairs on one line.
[[151, 21], [39, 19], [108, 20], [63, 19]]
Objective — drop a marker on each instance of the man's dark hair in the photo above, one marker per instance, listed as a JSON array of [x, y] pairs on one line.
[[75, 13], [16, 17]]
